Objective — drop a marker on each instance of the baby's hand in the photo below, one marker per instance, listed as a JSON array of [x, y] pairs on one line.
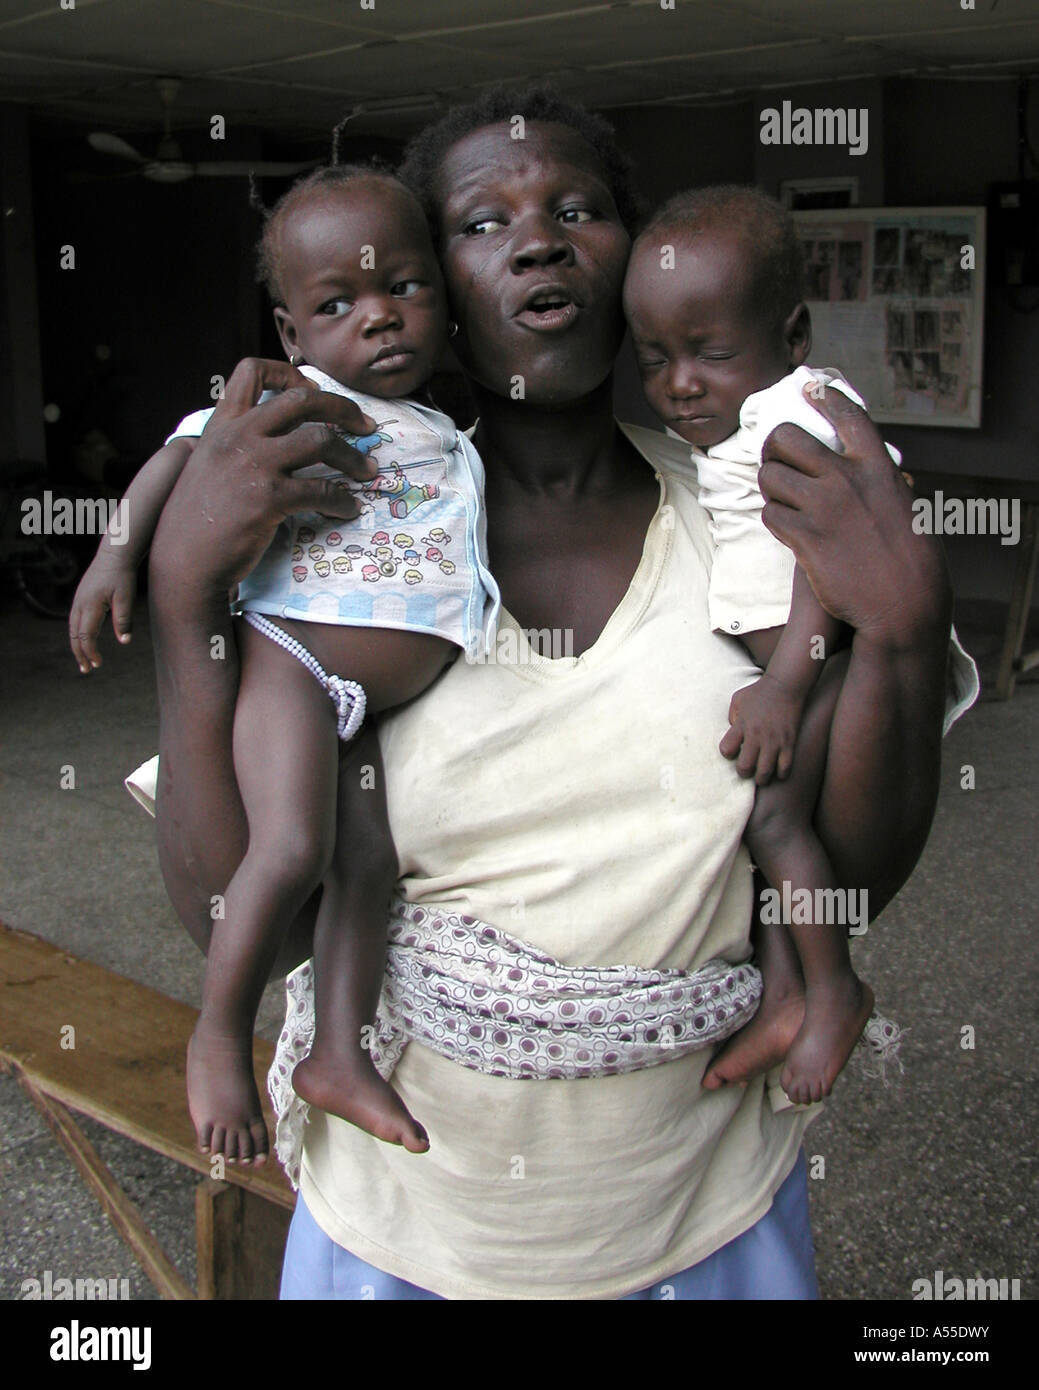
[[109, 585], [764, 719]]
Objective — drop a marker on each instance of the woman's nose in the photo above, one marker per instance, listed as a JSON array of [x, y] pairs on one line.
[[539, 240]]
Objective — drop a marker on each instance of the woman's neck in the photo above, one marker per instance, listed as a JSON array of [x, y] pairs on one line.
[[560, 450]]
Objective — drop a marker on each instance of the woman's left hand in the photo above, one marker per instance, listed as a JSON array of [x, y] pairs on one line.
[[848, 518]]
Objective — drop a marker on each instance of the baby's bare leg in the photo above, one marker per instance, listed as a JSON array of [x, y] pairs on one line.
[[786, 848], [765, 1041], [285, 750], [350, 935], [350, 959]]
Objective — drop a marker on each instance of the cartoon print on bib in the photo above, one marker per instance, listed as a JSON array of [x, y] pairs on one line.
[[395, 493], [373, 571]]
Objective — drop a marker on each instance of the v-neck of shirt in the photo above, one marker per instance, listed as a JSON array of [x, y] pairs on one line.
[[531, 665]]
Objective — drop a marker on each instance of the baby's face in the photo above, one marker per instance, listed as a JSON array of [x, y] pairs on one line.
[[364, 298], [702, 345]]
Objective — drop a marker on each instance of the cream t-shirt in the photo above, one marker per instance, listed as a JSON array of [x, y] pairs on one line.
[[582, 805]]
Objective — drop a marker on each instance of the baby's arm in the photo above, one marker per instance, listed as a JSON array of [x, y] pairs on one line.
[[765, 717], [110, 583]]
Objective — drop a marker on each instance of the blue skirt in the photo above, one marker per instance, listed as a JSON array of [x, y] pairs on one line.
[[774, 1259]]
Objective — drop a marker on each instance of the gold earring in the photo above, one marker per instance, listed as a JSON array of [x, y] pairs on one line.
[[452, 328], [296, 359]]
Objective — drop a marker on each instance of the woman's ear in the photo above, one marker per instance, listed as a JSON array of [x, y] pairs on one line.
[[286, 332], [797, 334]]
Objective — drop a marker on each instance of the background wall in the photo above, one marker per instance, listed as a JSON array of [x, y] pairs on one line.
[[931, 143], [163, 284]]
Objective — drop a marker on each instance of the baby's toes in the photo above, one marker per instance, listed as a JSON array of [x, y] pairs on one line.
[[258, 1135], [239, 1146], [414, 1139]]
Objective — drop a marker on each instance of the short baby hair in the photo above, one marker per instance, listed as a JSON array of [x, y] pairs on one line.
[[538, 102], [329, 176], [759, 223]]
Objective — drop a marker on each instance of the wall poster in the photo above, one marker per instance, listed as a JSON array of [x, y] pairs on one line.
[[897, 303]]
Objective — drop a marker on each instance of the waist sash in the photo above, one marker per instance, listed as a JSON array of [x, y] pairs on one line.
[[481, 998]]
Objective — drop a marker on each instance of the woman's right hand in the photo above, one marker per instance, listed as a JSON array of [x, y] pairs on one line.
[[238, 484]]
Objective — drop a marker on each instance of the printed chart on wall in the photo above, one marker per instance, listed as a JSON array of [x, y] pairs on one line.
[[897, 303]]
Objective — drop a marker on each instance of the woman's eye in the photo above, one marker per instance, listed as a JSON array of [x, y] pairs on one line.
[[575, 215], [480, 226], [404, 289], [335, 308], [716, 356]]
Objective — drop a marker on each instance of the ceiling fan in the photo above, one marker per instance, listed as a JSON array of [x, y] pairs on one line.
[[169, 165]]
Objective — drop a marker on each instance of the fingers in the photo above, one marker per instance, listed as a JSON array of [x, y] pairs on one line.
[[780, 483], [302, 402], [85, 623], [765, 767], [251, 377], [325, 495], [858, 434], [787, 524], [790, 444], [747, 762], [731, 742], [123, 596], [323, 443]]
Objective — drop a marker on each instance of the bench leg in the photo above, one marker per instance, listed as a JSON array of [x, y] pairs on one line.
[[122, 1213], [1010, 662], [241, 1240]]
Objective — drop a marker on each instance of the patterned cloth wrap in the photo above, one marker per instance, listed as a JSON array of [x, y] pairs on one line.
[[478, 996]]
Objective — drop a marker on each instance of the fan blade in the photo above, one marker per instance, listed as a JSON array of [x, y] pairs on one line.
[[114, 144], [81, 176], [241, 168]]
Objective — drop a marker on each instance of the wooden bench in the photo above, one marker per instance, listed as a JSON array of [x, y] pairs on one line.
[[81, 1038], [1013, 660]]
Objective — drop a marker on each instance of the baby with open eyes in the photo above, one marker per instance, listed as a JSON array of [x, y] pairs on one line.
[[337, 619], [714, 302]]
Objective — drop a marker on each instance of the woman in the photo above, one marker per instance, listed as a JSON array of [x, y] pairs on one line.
[[581, 804]]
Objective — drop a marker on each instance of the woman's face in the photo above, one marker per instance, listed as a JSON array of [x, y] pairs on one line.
[[533, 253]]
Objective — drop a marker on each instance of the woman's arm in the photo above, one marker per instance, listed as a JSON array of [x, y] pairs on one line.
[[848, 520], [219, 520]]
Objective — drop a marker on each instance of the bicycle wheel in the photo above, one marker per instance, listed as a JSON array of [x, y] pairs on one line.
[[47, 579]]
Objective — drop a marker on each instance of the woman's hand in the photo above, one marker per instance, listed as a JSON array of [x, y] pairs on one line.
[[848, 519], [238, 483]]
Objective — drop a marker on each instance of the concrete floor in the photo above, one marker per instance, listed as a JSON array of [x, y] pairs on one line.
[[937, 1171]]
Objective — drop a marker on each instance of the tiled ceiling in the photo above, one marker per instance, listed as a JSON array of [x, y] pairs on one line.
[[297, 66]]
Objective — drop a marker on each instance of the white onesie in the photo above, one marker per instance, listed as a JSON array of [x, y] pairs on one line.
[[753, 573]]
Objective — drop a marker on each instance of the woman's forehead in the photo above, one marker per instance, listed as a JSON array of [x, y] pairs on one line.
[[513, 151]]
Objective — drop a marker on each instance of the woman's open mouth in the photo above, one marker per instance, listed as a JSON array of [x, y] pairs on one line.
[[548, 309]]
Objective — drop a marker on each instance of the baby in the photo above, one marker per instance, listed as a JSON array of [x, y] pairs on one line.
[[366, 612], [714, 302]]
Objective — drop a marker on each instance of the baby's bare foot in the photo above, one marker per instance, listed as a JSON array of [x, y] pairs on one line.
[[835, 1015], [762, 1043], [351, 1088], [222, 1095]]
